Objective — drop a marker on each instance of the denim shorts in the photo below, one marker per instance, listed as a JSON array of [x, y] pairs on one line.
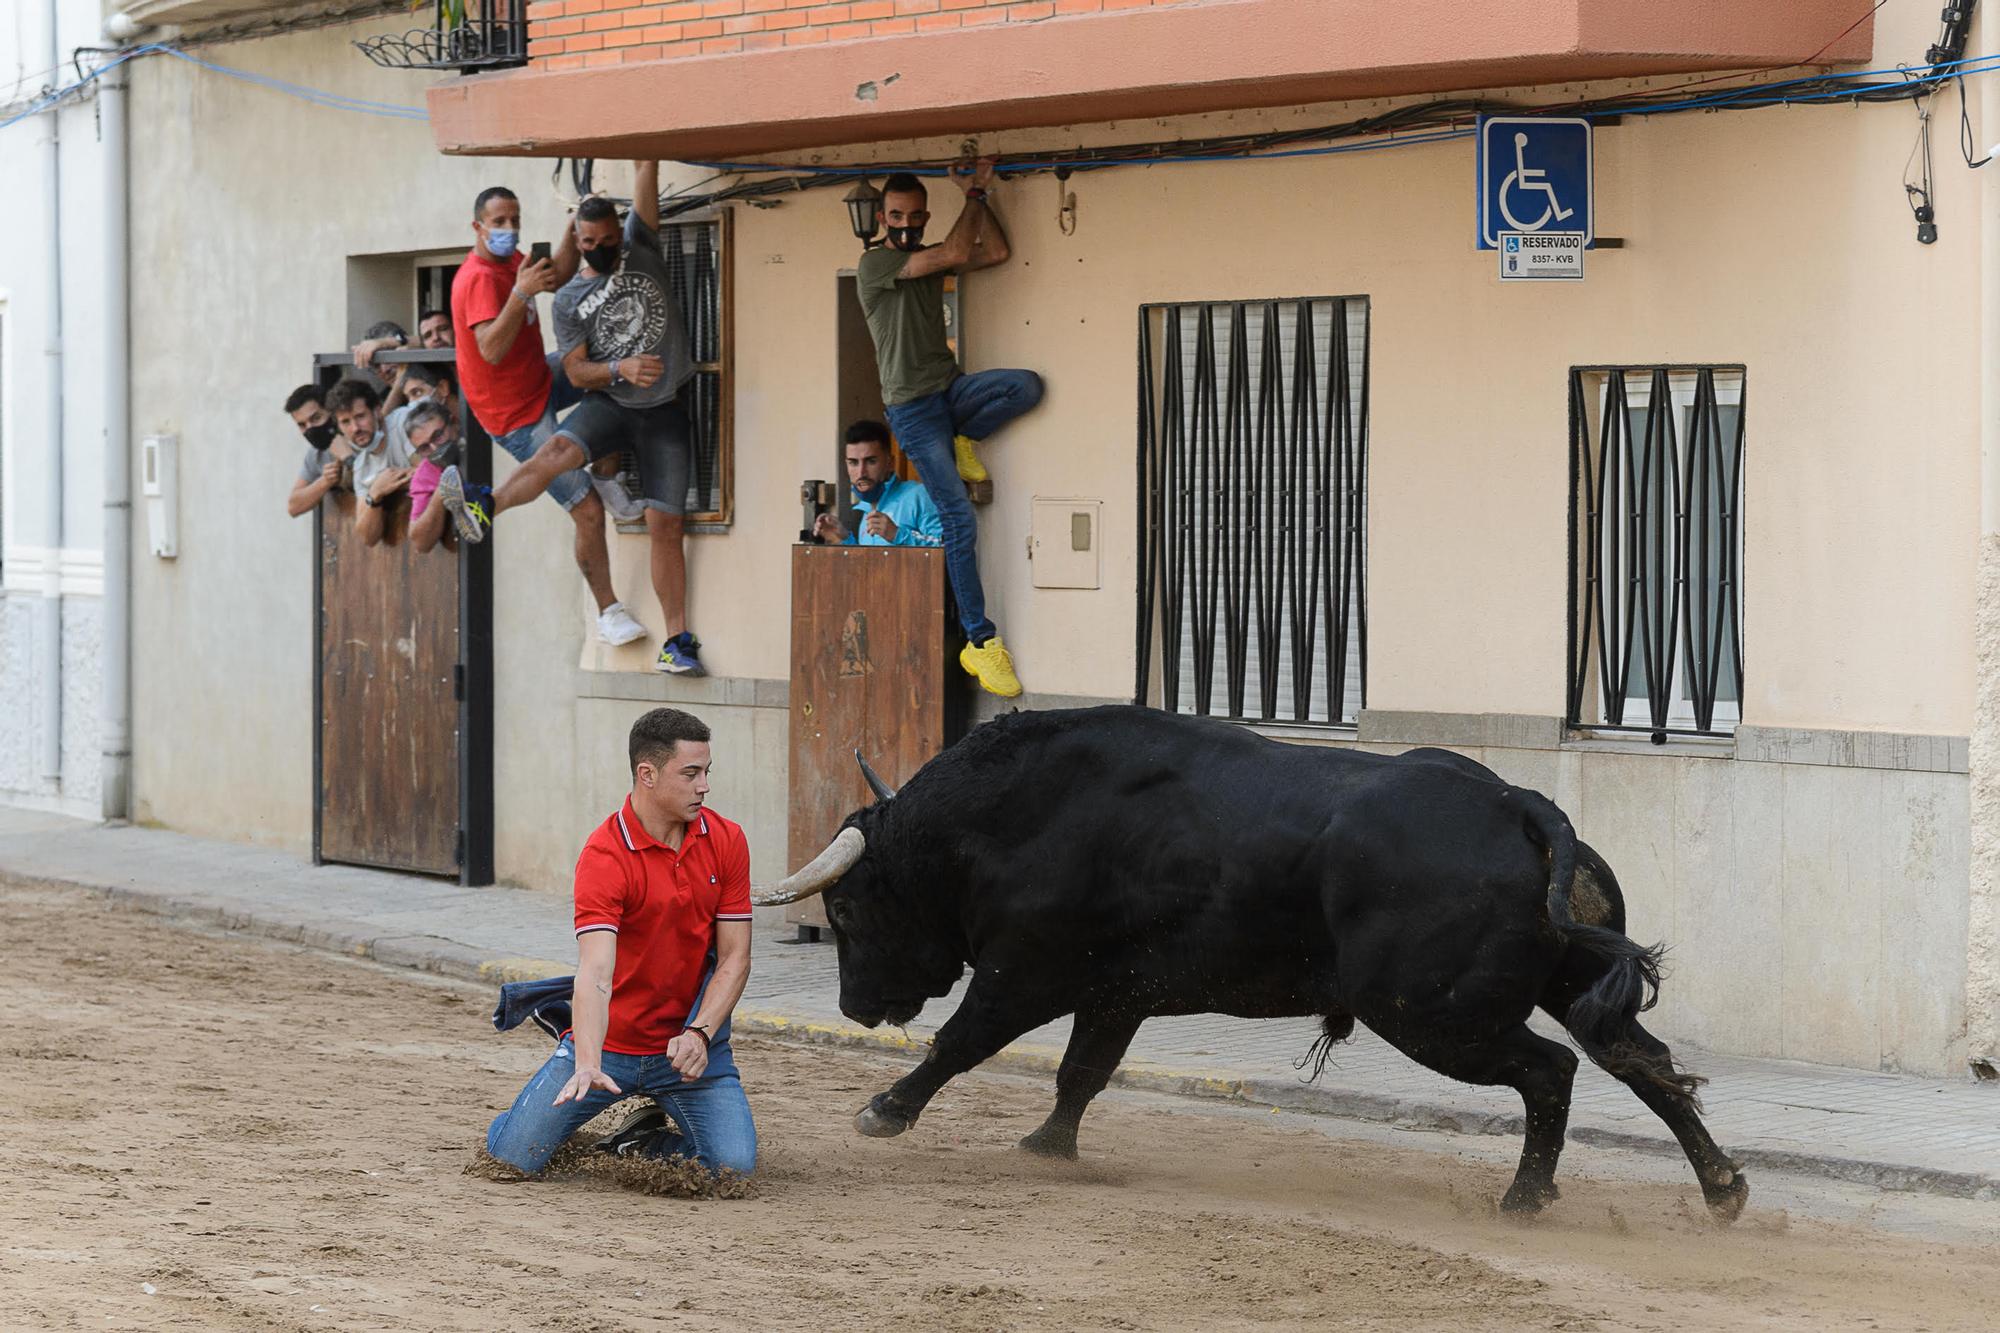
[[568, 489], [659, 437]]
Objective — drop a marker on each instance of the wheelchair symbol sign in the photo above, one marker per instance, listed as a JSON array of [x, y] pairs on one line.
[[1534, 174]]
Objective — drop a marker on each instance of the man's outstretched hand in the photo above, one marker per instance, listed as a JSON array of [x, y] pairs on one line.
[[583, 1081]]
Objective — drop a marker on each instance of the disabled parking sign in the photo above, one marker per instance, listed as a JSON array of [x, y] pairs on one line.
[[1534, 175]]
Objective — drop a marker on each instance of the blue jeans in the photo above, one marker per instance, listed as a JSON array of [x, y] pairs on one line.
[[974, 406], [712, 1112], [568, 489]]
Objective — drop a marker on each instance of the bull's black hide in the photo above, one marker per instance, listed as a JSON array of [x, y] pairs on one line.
[[1122, 863]]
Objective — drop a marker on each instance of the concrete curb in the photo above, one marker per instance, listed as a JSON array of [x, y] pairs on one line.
[[443, 957]]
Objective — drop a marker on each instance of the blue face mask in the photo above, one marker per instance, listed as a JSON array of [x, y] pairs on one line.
[[502, 242]]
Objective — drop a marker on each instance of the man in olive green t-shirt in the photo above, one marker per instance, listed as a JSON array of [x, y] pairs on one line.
[[937, 413]]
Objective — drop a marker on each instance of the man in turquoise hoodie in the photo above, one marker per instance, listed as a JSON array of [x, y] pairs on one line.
[[894, 512]]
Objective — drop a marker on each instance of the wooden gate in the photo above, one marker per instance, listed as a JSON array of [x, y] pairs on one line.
[[875, 669], [402, 690]]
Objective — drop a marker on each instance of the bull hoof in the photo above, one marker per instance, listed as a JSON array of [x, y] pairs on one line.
[[1526, 1199], [1046, 1142], [878, 1123], [1726, 1204]]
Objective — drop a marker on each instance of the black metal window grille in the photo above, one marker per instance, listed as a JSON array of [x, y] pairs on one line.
[[465, 35], [1253, 467], [1656, 548], [697, 268]]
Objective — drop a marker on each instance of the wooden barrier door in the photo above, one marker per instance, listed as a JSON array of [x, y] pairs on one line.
[[874, 668], [402, 691]]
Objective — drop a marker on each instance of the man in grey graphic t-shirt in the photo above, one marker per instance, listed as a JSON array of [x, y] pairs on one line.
[[623, 339]]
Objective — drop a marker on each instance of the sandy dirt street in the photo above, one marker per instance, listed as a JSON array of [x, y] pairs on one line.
[[208, 1132]]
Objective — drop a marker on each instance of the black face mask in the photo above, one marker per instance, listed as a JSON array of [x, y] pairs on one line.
[[602, 259], [906, 238], [320, 436]]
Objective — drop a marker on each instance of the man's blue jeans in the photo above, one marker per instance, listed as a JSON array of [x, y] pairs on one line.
[[712, 1112], [974, 406], [570, 487]]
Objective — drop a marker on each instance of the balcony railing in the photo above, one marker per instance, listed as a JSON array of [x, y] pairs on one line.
[[465, 35]]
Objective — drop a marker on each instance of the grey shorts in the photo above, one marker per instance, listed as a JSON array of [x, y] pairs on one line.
[[659, 437]]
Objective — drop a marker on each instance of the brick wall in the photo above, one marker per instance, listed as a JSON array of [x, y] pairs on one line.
[[572, 34]]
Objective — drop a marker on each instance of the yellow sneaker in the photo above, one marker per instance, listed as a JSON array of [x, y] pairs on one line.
[[993, 668], [969, 466]]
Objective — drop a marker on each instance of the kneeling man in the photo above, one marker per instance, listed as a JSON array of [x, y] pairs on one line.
[[663, 944]]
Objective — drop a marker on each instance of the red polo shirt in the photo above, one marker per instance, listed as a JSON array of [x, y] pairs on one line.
[[663, 906]]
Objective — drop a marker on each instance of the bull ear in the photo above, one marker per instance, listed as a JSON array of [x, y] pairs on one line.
[[883, 791]]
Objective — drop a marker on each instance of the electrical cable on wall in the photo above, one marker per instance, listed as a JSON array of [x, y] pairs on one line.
[[1438, 121]]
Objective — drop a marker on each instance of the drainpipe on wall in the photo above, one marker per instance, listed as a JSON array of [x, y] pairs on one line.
[[48, 641], [1982, 961], [115, 773]]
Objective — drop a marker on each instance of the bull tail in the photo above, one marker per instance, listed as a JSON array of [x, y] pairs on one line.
[[1604, 1018]]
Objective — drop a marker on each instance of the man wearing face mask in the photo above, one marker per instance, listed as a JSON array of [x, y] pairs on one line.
[[939, 414], [624, 341], [504, 372], [326, 451]]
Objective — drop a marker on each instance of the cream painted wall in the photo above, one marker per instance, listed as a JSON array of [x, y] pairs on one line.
[[1779, 239]]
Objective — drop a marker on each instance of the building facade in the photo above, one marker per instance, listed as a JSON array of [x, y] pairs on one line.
[[1801, 820]]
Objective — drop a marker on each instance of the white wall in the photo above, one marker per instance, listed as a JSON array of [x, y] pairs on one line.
[[67, 551]]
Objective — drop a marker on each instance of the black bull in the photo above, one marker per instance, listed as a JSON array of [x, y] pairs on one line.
[[1123, 863]]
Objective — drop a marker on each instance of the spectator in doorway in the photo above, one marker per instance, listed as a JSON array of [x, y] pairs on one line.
[[939, 414], [381, 462], [623, 341], [505, 374], [434, 437], [432, 398], [426, 427], [384, 335], [326, 451], [434, 329], [895, 512]]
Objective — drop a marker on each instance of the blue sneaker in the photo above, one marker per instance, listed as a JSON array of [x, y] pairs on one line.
[[678, 656]]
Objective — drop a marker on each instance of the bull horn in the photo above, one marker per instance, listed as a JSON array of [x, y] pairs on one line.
[[883, 791], [838, 858]]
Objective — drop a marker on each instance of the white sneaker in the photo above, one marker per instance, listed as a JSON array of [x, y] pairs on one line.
[[615, 625], [618, 501]]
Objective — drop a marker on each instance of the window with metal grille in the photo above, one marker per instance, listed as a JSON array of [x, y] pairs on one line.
[[1253, 467], [698, 267], [1656, 548]]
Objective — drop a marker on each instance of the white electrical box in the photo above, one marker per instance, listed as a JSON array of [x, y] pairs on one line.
[[159, 486], [1065, 542]]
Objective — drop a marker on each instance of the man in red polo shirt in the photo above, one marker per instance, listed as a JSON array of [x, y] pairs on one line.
[[504, 374], [663, 950]]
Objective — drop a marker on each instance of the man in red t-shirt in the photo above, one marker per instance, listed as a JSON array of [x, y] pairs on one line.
[[663, 950], [504, 373]]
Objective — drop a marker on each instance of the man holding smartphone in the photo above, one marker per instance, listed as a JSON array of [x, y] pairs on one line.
[[505, 375], [624, 340]]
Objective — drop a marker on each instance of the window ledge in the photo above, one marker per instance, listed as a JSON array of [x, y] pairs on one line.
[[659, 687], [1611, 742]]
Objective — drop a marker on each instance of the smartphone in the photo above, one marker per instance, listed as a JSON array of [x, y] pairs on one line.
[[538, 252]]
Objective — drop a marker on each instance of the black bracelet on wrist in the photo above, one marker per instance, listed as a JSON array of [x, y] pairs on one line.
[[701, 1032]]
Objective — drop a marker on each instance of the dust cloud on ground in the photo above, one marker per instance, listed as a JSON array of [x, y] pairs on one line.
[[208, 1132]]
